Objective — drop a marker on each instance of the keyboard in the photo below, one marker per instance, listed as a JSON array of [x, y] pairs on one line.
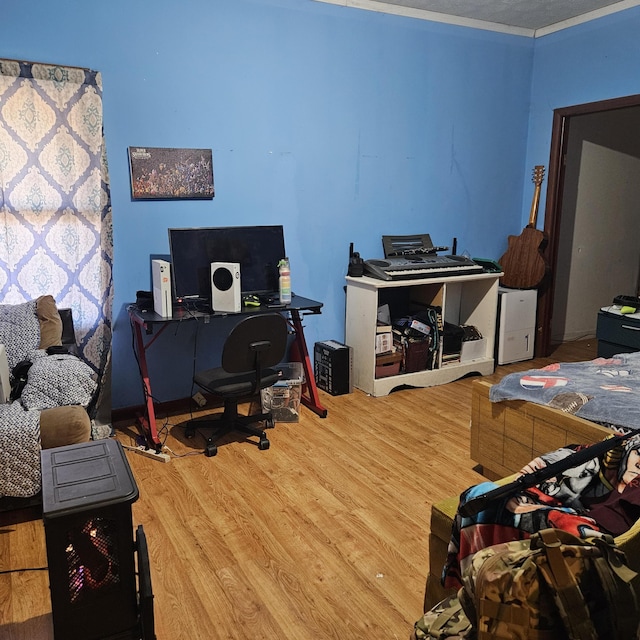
[[415, 267]]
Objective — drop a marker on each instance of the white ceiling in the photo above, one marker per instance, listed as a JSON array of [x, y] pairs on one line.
[[522, 17]]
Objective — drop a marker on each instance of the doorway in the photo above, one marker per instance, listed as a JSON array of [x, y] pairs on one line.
[[591, 217]]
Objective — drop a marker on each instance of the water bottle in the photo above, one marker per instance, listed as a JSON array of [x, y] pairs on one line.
[[285, 281]]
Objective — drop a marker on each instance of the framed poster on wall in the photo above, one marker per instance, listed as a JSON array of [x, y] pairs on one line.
[[171, 174]]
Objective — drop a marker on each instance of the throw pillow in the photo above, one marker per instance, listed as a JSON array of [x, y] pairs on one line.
[[50, 322], [58, 380]]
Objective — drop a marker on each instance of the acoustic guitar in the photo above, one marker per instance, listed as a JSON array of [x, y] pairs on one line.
[[522, 263]]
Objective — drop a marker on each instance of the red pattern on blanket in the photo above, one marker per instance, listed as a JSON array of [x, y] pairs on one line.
[[601, 496]]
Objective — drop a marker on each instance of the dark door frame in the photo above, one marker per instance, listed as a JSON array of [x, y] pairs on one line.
[[553, 207]]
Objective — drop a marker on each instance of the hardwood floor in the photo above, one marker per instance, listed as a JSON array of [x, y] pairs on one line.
[[323, 536]]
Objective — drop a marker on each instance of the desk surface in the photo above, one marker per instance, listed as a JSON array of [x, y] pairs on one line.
[[188, 310]]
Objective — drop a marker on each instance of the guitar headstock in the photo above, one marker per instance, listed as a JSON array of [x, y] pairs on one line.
[[538, 175]]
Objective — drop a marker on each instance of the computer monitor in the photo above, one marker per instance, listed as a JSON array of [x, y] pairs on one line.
[[257, 249]]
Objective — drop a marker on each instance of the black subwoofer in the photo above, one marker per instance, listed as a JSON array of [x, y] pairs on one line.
[[98, 572]]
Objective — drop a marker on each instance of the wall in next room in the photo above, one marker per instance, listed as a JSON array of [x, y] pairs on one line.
[[600, 223]]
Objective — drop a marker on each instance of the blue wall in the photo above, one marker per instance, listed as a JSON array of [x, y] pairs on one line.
[[598, 60], [338, 123]]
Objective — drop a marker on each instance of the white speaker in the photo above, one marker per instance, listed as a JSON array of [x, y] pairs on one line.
[[225, 287], [161, 274]]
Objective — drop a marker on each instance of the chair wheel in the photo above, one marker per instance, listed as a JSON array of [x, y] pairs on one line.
[[210, 450], [269, 423], [263, 444]]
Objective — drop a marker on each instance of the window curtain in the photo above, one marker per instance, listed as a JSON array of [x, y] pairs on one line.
[[55, 207]]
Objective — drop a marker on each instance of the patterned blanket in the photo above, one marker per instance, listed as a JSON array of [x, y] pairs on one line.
[[604, 390], [53, 381], [19, 429], [19, 451], [600, 496], [58, 380]]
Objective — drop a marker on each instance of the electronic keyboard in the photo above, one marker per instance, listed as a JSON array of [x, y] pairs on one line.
[[420, 266]]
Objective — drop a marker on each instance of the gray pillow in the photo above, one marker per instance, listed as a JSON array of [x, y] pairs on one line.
[[58, 380]]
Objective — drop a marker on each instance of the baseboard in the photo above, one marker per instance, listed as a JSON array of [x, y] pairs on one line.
[[129, 415]]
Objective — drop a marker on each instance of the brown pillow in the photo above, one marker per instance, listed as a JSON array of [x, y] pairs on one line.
[[60, 426], [50, 322]]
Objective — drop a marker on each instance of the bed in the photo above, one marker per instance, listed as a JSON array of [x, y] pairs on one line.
[[540, 410], [507, 434]]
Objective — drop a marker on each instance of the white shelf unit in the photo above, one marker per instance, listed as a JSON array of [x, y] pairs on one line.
[[465, 299]]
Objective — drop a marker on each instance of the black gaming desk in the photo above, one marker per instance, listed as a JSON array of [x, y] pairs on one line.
[[148, 326]]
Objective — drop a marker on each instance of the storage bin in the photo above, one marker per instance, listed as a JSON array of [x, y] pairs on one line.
[[283, 398], [473, 349], [415, 354], [388, 364]]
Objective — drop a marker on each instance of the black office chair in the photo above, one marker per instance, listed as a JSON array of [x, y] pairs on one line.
[[254, 346]]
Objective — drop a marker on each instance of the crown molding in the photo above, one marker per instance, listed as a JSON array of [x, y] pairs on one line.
[[434, 16]]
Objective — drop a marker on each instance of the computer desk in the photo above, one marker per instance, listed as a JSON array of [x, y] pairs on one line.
[[148, 326]]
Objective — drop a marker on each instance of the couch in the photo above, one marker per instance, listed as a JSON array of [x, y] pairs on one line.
[[52, 408]]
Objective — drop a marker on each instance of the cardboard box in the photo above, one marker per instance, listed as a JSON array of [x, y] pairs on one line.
[[332, 367], [388, 364], [384, 342]]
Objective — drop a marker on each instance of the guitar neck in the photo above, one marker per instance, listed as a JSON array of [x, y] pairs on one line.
[[538, 177], [533, 214]]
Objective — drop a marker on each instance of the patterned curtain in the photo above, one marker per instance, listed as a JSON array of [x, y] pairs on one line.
[[55, 208]]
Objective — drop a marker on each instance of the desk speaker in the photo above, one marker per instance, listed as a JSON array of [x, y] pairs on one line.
[[225, 287]]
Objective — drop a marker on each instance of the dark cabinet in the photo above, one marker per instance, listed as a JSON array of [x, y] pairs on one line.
[[617, 333]]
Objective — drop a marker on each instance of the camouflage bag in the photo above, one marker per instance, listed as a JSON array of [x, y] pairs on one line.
[[445, 621], [552, 586]]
